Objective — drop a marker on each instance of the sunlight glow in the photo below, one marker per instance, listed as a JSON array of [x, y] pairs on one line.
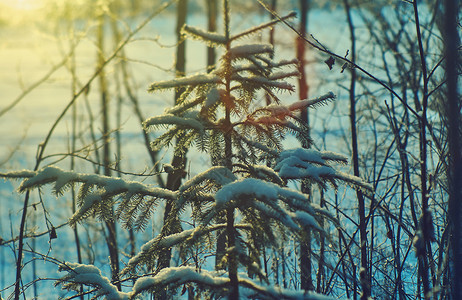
[[20, 12], [23, 5]]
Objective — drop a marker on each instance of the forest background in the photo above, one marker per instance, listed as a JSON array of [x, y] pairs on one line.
[[92, 61]]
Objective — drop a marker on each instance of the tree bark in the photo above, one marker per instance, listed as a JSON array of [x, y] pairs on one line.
[[179, 157], [451, 43], [110, 225], [212, 12], [306, 281]]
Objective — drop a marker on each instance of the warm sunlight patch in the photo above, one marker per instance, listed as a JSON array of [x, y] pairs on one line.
[[20, 12], [23, 5]]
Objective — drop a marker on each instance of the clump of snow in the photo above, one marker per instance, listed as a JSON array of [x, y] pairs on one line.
[[250, 49], [192, 80], [91, 275], [306, 219], [276, 292], [260, 80], [295, 168], [308, 163], [246, 186], [267, 197], [180, 108], [207, 36], [283, 75], [213, 96], [174, 120], [302, 154], [47, 175], [312, 102], [106, 187], [178, 275]]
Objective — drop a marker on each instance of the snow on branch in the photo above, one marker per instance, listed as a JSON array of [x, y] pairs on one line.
[[275, 292], [219, 174], [265, 197], [282, 111], [303, 163], [298, 105], [173, 120], [263, 81], [162, 242], [158, 244], [355, 182], [284, 75], [312, 156], [94, 190], [17, 174], [260, 172], [193, 80], [178, 276], [259, 146], [180, 108], [210, 38], [248, 50], [89, 275], [247, 186], [284, 62], [214, 96]]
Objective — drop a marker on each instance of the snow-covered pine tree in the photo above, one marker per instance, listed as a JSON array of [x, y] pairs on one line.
[[239, 195]]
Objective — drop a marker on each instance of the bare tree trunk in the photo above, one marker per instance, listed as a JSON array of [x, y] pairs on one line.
[[73, 149], [212, 12], [110, 225], [423, 251], [179, 157], [230, 230], [306, 282], [452, 42], [272, 7], [363, 273]]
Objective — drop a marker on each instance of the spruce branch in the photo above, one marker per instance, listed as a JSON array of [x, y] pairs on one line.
[[193, 80], [95, 193], [210, 38]]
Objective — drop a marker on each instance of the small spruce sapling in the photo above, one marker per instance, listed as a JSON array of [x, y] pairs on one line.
[[216, 112]]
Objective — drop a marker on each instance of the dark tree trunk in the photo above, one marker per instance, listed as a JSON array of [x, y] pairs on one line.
[[110, 225], [306, 281], [452, 42], [212, 12], [175, 176]]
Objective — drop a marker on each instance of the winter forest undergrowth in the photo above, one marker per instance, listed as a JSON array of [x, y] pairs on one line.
[[229, 149]]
